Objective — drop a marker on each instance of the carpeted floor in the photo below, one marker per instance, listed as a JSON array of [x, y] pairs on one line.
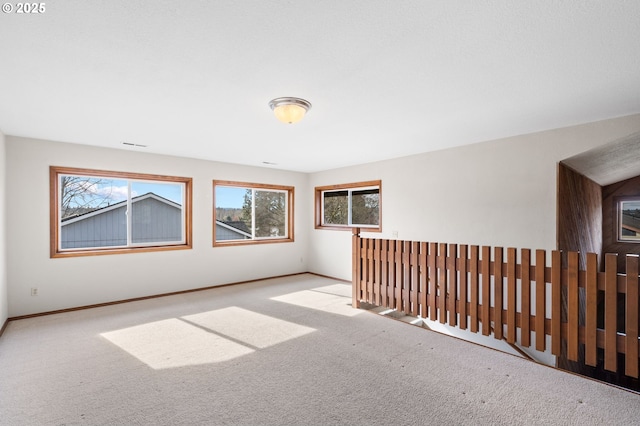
[[286, 351]]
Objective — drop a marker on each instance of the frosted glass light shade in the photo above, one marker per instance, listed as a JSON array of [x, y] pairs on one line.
[[289, 110], [289, 113]]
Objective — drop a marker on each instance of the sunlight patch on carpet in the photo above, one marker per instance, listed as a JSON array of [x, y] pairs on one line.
[[250, 327], [173, 343], [335, 299], [343, 290]]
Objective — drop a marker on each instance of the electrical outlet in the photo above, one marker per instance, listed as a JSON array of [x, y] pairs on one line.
[[34, 291], [394, 234]]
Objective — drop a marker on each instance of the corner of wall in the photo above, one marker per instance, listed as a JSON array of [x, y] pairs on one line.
[[4, 304]]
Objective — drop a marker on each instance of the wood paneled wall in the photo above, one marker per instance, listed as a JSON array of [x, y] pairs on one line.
[[579, 225]]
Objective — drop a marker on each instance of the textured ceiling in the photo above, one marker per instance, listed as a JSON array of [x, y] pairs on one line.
[[609, 163], [386, 78]]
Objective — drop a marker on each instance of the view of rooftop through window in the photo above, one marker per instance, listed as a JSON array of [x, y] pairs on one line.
[[84, 194], [251, 211], [100, 211], [629, 229]]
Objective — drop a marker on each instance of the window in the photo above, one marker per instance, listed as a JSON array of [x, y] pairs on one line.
[[250, 213], [103, 212], [349, 205], [629, 219]]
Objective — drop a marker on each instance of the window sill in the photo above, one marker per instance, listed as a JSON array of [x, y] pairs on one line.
[[349, 228], [229, 243], [122, 250]]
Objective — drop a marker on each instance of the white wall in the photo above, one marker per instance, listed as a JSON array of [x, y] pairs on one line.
[[72, 282], [4, 304], [499, 193]]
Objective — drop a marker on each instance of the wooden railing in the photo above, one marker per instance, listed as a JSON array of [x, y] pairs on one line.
[[464, 287]]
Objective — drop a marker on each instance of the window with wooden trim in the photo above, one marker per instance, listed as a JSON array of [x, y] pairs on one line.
[[629, 219], [96, 212], [349, 205], [251, 213]]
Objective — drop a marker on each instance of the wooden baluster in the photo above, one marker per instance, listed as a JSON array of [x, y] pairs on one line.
[[473, 307], [370, 264], [541, 294], [591, 316], [511, 295], [398, 281], [486, 290], [377, 281], [453, 284], [384, 274], [406, 277], [556, 302], [462, 304], [610, 312], [525, 305], [498, 291], [631, 332], [355, 268], [391, 256], [415, 279], [442, 283], [424, 279], [433, 281]]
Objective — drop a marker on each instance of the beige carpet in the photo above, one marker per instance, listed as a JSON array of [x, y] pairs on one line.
[[287, 351]]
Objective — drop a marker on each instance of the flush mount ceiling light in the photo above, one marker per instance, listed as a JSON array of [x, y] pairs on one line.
[[289, 110]]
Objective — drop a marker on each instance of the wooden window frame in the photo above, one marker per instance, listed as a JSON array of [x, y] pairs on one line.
[[318, 201], [617, 203], [290, 190], [54, 212]]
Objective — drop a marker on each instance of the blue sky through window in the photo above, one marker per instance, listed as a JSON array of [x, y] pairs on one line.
[[230, 196], [99, 192], [170, 191]]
